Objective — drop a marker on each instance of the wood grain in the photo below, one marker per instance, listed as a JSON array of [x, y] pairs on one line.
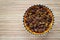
[[11, 19]]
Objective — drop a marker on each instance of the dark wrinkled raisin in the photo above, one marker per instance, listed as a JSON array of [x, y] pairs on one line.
[[40, 6]]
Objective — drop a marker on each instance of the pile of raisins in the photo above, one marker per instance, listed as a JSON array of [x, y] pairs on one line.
[[37, 18]]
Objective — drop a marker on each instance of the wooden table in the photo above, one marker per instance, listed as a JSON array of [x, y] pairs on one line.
[[11, 19]]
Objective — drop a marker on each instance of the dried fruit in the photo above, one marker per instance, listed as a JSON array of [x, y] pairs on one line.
[[39, 19]]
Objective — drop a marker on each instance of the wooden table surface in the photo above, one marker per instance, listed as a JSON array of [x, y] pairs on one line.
[[11, 19]]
